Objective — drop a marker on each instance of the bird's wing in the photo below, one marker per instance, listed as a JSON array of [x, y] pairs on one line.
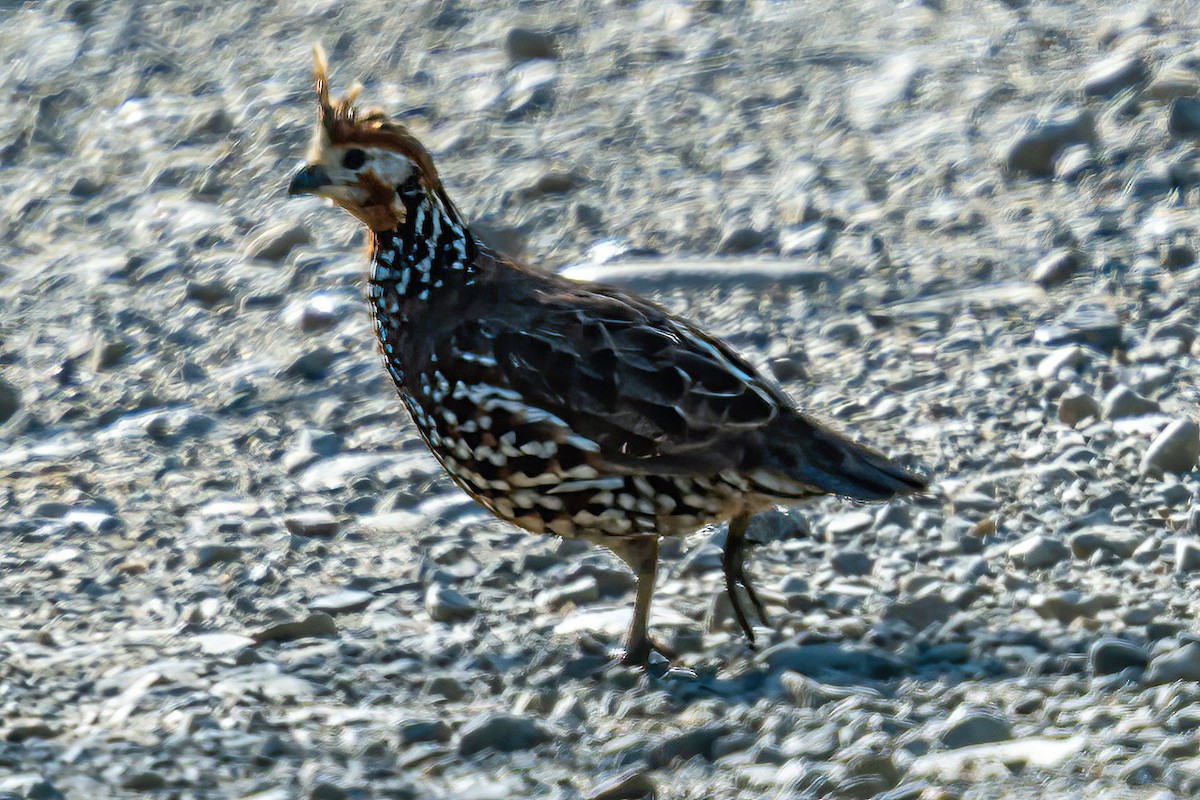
[[655, 394]]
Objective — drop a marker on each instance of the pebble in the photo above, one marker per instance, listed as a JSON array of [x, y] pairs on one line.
[[1057, 267], [1176, 449], [1121, 401], [274, 242], [524, 44], [686, 745], [505, 733], [1184, 120], [1038, 552], [967, 728], [1087, 324], [578, 592], [1071, 357], [1120, 541], [635, 784], [209, 554], [1075, 405], [929, 609], [444, 604], [347, 601], [1034, 152], [311, 366], [1108, 656], [1180, 664], [1187, 555], [10, 400], [416, 731], [317, 522], [1114, 75], [852, 562], [315, 624]]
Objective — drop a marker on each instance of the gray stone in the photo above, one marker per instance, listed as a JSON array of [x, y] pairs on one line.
[[1114, 75], [523, 44], [347, 601], [22, 730], [208, 293], [317, 522], [636, 784], [1089, 324], [685, 745], [210, 554], [10, 400], [929, 609], [414, 731], [974, 727], [852, 563], [315, 624], [1109, 656], [1076, 405], [506, 733], [1187, 555], [312, 365], [1071, 357], [1068, 605], [740, 240], [1121, 401], [1035, 151], [1184, 120], [1180, 664], [1176, 449], [1121, 542], [273, 242], [1057, 267], [444, 604], [1038, 552], [578, 592]]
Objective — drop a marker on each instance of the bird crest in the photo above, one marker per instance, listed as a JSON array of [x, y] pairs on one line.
[[342, 124]]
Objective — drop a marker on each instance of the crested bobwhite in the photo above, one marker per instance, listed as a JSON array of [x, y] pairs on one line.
[[564, 407]]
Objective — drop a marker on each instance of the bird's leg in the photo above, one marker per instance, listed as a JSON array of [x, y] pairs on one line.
[[641, 554], [733, 562]]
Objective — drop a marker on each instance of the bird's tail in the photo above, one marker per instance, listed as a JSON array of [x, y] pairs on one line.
[[826, 462]]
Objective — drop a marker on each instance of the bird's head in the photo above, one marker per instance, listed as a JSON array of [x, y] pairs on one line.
[[363, 161]]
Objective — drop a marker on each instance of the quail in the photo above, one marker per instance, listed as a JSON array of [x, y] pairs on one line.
[[569, 408]]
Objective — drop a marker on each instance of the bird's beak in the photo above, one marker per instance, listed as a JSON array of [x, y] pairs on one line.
[[309, 179]]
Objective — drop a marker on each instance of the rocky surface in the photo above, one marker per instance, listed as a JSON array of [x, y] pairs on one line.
[[965, 231]]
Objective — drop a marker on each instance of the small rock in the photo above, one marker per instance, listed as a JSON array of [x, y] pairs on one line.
[[578, 592], [682, 746], [1076, 405], [1071, 357], [348, 601], [632, 785], [317, 522], [22, 730], [1086, 324], [1121, 401], [1180, 664], [143, 781], [506, 733], [1121, 542], [424, 730], [929, 609], [973, 727], [741, 240], [108, 352], [316, 624], [209, 554], [523, 44], [446, 605], [1057, 267], [10, 401], [1109, 656], [1184, 122], [1038, 552], [1065, 606], [1176, 449], [312, 365], [1113, 75], [852, 562], [1187, 555], [208, 293], [848, 524], [274, 242], [1036, 150]]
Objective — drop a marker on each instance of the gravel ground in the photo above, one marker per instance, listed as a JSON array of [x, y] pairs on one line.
[[963, 229]]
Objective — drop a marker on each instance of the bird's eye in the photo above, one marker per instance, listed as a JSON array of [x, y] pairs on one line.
[[354, 158]]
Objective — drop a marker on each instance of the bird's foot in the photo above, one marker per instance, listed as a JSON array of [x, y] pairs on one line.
[[734, 565], [645, 653]]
